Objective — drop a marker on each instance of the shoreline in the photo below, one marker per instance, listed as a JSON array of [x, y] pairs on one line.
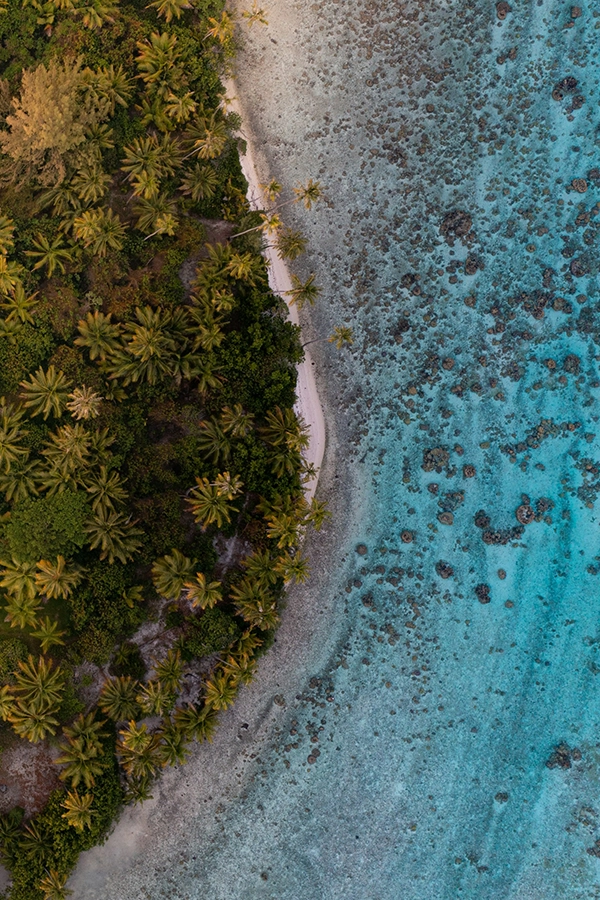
[[308, 404]]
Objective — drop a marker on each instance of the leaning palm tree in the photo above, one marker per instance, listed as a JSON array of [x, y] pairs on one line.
[[46, 393], [221, 29], [284, 528], [150, 212], [255, 604], [208, 505], [170, 572], [173, 744], [115, 535], [169, 9], [18, 578], [52, 255], [303, 292], [100, 230], [203, 593], [78, 810], [117, 699], [290, 244], [57, 579], [98, 335], [53, 886], [292, 568], [48, 634], [284, 427]]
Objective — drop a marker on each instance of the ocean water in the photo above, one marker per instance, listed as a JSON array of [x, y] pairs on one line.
[[438, 738]]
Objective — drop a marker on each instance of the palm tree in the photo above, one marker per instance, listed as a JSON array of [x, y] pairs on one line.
[[209, 334], [303, 291], [142, 157], [239, 671], [84, 403], [194, 722], [255, 604], [208, 504], [69, 448], [81, 760], [308, 193], [39, 682], [19, 305], [46, 393], [156, 61], [91, 183], [155, 699], [283, 427], [340, 336], [20, 482], [203, 593], [48, 634], [53, 887], [98, 334], [220, 691], [245, 267], [221, 29], [283, 528], [114, 85], [88, 729], [154, 211], [317, 513], [207, 137], [100, 230], [21, 612], [115, 535], [10, 274], [260, 566], [34, 720], [169, 9], [292, 568], [117, 699], [7, 229], [200, 182], [106, 491], [180, 108], [78, 810], [213, 442], [255, 14], [51, 254], [168, 671], [148, 353], [173, 749], [18, 578], [290, 244], [138, 790], [170, 572], [95, 13], [236, 421], [138, 750], [11, 451], [57, 579]]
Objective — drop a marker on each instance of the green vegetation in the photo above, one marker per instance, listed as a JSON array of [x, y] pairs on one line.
[[151, 464]]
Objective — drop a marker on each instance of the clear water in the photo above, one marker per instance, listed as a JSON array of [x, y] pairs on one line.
[[435, 714]]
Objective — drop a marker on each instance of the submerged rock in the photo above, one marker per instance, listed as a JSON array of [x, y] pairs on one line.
[[561, 756], [483, 593]]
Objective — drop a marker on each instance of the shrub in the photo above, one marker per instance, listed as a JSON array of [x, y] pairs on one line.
[[214, 631], [128, 661], [11, 651], [47, 527]]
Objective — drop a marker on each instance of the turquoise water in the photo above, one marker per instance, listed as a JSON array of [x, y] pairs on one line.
[[456, 244]]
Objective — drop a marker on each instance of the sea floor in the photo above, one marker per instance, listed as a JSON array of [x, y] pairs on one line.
[[436, 730]]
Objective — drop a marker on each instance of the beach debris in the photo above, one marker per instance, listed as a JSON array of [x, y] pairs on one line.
[[482, 592], [562, 756]]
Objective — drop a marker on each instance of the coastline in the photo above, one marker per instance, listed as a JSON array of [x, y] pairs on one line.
[[190, 800]]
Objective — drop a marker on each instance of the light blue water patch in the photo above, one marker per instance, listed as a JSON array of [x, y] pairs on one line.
[[450, 749]]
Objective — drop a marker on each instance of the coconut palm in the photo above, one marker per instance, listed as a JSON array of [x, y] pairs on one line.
[[18, 578], [170, 572], [106, 491], [255, 603], [100, 230], [114, 534], [57, 579], [303, 291], [34, 720], [53, 887], [245, 649], [195, 722], [96, 13], [155, 699], [48, 634], [255, 14], [207, 138], [200, 182], [284, 529], [180, 108], [22, 481], [11, 330], [260, 567], [33, 842], [21, 612], [117, 698], [208, 504], [91, 183], [138, 750], [153, 211], [317, 513], [283, 427], [169, 9], [168, 670], [292, 568], [213, 442], [290, 244], [341, 336], [11, 450], [113, 84], [78, 810], [236, 421], [39, 682], [10, 274], [52, 255], [157, 61], [7, 230], [68, 449], [88, 729], [46, 393], [84, 403], [245, 267], [19, 305], [98, 335], [203, 593], [173, 744], [221, 29], [80, 758], [55, 481], [228, 486], [220, 691]]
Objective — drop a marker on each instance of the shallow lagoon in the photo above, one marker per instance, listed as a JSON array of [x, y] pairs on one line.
[[434, 714]]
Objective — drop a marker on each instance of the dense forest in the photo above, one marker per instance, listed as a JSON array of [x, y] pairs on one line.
[[151, 469]]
